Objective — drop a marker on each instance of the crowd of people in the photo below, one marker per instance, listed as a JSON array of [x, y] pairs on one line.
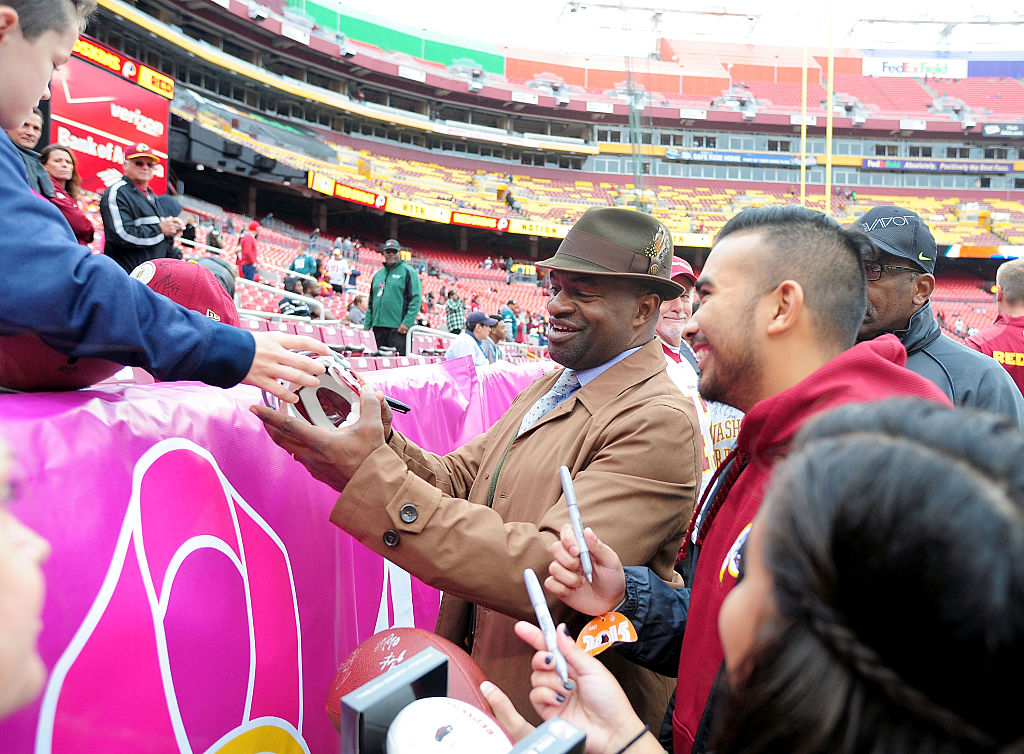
[[806, 590], [797, 316]]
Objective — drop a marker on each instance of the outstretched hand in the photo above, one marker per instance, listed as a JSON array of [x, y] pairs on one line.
[[275, 359], [592, 700], [332, 455], [567, 581]]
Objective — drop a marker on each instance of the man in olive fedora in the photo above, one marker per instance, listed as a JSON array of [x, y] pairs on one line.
[[471, 521]]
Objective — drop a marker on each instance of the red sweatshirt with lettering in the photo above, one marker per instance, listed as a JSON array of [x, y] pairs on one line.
[[1004, 342], [869, 371]]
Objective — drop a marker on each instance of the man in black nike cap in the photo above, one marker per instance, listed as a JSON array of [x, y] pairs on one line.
[[900, 283]]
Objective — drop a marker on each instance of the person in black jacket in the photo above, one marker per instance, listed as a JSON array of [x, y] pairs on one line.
[[900, 278], [136, 230]]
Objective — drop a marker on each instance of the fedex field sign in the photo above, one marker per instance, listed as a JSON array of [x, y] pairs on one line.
[[945, 68]]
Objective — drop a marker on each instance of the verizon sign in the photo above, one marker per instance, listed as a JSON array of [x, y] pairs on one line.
[[97, 113]]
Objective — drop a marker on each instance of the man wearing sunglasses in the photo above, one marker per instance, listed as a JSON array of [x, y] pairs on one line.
[[133, 226], [900, 278]]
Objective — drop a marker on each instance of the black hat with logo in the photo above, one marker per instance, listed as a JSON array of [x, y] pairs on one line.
[[900, 232]]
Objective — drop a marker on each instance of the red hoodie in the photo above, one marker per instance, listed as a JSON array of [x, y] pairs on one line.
[[869, 371], [1004, 342]]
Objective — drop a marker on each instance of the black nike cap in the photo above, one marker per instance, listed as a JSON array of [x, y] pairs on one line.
[[900, 232]]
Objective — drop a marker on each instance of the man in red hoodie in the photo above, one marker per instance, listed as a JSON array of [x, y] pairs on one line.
[[247, 252], [1004, 340], [783, 294]]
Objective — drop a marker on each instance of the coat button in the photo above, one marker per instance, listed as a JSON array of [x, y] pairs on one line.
[[408, 513], [391, 538]]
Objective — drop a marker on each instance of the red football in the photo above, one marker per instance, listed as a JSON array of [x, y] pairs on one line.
[[384, 650], [28, 364]]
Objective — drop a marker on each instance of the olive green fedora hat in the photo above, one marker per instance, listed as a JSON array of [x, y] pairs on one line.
[[620, 243]]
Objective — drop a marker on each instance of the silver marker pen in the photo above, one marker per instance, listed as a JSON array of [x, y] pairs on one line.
[[540, 607], [577, 525]]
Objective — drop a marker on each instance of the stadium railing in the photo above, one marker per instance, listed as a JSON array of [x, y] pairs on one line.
[[242, 282], [418, 337]]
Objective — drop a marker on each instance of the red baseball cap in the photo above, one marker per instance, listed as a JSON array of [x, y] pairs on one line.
[[680, 267], [141, 150], [29, 364], [254, 225], [191, 285]]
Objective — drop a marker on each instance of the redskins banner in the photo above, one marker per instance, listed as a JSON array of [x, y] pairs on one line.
[[479, 221], [98, 108], [128, 68], [324, 184], [359, 196], [199, 599]]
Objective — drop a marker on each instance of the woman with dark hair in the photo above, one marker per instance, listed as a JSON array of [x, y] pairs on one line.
[[881, 607], [61, 165]]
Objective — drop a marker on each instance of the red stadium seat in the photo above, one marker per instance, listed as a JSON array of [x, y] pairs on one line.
[[363, 363], [331, 335], [254, 324], [308, 329]]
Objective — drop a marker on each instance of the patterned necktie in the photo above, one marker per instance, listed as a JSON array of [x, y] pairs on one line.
[[565, 386]]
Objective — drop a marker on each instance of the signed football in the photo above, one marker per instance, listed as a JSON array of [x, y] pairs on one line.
[[385, 649]]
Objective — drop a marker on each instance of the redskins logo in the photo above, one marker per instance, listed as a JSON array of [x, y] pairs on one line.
[[731, 564], [144, 272]]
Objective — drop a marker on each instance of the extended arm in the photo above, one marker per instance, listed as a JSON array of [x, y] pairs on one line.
[[89, 307]]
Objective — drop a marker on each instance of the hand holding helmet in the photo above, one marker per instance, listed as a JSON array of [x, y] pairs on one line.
[[333, 427], [333, 402]]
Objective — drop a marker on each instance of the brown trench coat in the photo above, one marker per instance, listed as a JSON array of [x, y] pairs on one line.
[[633, 445]]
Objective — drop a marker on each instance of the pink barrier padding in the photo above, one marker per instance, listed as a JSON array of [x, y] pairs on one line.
[[198, 599]]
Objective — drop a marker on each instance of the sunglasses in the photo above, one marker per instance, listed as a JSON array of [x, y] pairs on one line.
[[143, 164], [874, 271]]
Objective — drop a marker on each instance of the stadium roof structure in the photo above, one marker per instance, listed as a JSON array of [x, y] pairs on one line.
[[636, 27]]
